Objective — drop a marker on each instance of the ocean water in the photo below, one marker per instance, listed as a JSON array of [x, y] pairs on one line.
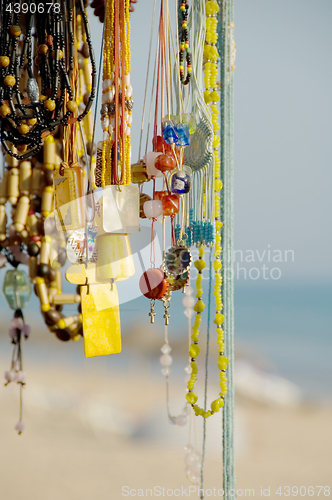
[[283, 327]]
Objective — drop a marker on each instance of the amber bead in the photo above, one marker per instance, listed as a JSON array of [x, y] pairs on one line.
[[60, 54], [9, 81], [43, 49], [153, 284], [71, 106], [170, 204], [85, 50], [32, 121], [165, 163], [159, 195], [86, 98], [23, 129], [15, 30], [38, 60], [4, 61], [158, 144], [4, 110], [91, 149], [48, 177], [49, 105], [21, 148]]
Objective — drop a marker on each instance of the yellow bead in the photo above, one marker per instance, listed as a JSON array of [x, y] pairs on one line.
[[15, 30], [199, 307], [217, 265], [61, 324], [32, 121], [71, 106], [23, 129], [4, 110], [9, 81], [45, 307], [191, 398], [4, 61], [194, 351], [215, 407], [222, 362], [200, 264], [49, 104], [219, 319]]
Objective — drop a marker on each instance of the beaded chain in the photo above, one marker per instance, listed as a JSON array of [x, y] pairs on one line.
[[211, 56], [184, 44], [48, 100]]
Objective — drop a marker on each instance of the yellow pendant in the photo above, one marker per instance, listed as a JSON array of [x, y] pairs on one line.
[[115, 260]]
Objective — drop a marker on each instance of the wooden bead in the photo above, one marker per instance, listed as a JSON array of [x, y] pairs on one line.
[[4, 61], [49, 150], [85, 50], [9, 80], [21, 213], [3, 187], [33, 262], [22, 147], [60, 54], [42, 291], [63, 335], [32, 121], [47, 201], [24, 177], [52, 317], [33, 249], [45, 250], [3, 222], [37, 180], [66, 298], [43, 270], [13, 186]]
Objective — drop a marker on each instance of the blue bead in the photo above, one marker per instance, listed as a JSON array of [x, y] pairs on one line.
[[170, 132], [183, 134], [180, 182]]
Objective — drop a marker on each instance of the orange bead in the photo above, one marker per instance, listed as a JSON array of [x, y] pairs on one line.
[[159, 195], [171, 204], [158, 144], [9, 81], [165, 163], [153, 284]]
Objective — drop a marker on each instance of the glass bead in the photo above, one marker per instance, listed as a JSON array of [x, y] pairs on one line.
[[189, 313], [166, 349], [165, 163], [181, 420], [189, 290], [196, 468], [180, 182], [17, 289], [170, 204], [149, 160], [153, 208], [143, 198], [166, 360], [170, 132], [189, 459], [153, 284], [188, 448], [33, 90], [165, 371], [183, 134], [158, 144], [188, 301]]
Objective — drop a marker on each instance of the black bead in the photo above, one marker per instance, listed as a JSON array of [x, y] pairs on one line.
[[63, 335], [43, 270], [33, 249]]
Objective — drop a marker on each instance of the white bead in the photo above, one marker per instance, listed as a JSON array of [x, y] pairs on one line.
[[166, 349], [19, 427], [189, 459], [149, 160], [188, 301], [193, 478], [16, 366], [127, 80], [189, 313], [189, 290], [153, 208], [166, 360], [107, 83], [165, 371], [105, 136], [104, 98], [110, 130], [188, 369], [188, 447], [128, 130], [187, 471], [130, 119], [105, 123], [181, 420], [113, 122], [196, 455], [196, 468]]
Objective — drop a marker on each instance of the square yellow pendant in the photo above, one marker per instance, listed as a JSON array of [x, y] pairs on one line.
[[115, 260], [101, 320], [68, 195]]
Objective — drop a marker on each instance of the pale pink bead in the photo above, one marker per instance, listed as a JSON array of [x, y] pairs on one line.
[[153, 208], [12, 333], [181, 420], [149, 160], [23, 258], [26, 330], [3, 260], [16, 366], [9, 376], [19, 427], [20, 376], [16, 323], [15, 250]]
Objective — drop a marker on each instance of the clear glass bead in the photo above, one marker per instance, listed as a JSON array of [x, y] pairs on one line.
[[165, 371], [181, 420], [189, 313], [166, 360], [188, 301], [16, 289], [189, 290], [166, 349]]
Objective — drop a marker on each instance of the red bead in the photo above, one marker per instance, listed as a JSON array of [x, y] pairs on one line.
[[35, 238], [165, 163], [170, 204], [153, 284], [158, 144]]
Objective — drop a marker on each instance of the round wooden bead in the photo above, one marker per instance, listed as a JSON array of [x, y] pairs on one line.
[[15, 30], [71, 106], [60, 54], [43, 49], [32, 121], [33, 249], [49, 104], [23, 129], [63, 335], [43, 270], [4, 110], [158, 144]]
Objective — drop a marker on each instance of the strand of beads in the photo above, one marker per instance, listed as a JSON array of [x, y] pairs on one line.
[[194, 350], [184, 44]]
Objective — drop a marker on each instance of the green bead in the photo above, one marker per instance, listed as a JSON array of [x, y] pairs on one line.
[[16, 289]]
